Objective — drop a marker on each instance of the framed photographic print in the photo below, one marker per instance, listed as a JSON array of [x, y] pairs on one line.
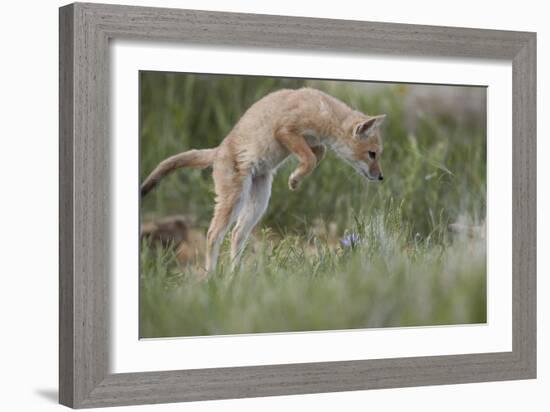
[[257, 205]]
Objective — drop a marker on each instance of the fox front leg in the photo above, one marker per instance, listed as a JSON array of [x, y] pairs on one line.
[[306, 167], [319, 152], [298, 146]]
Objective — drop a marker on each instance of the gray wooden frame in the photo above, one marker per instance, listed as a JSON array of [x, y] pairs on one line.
[[85, 31]]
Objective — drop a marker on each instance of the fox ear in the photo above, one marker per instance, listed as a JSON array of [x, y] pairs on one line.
[[365, 128]]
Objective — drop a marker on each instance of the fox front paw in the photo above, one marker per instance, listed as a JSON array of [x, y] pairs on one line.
[[293, 183]]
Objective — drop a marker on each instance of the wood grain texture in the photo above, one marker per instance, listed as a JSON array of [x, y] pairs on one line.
[[524, 207], [85, 31], [84, 157], [66, 229]]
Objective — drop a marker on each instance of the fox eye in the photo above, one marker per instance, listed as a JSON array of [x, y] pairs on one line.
[[372, 155]]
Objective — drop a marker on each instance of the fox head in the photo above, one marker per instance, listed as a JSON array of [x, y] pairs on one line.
[[364, 147]]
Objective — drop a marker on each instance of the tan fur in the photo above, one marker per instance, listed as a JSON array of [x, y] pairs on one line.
[[198, 159], [169, 230], [176, 233], [301, 122]]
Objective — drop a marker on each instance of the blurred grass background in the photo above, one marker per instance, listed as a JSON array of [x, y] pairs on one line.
[[402, 268]]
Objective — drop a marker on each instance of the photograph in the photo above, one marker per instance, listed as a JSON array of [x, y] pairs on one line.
[[282, 205]]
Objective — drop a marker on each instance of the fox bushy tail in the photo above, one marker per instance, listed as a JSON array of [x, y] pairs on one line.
[[198, 159]]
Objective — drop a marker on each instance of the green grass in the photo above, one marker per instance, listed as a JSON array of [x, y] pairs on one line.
[[300, 284], [407, 270]]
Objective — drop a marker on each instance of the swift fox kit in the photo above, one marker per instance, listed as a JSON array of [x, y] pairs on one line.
[[301, 122]]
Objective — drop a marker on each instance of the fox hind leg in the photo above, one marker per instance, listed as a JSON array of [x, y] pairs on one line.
[[250, 214], [232, 191]]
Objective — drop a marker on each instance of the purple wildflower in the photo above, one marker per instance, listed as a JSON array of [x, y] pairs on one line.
[[351, 240]]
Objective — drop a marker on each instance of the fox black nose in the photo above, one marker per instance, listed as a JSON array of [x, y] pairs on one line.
[[380, 177]]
